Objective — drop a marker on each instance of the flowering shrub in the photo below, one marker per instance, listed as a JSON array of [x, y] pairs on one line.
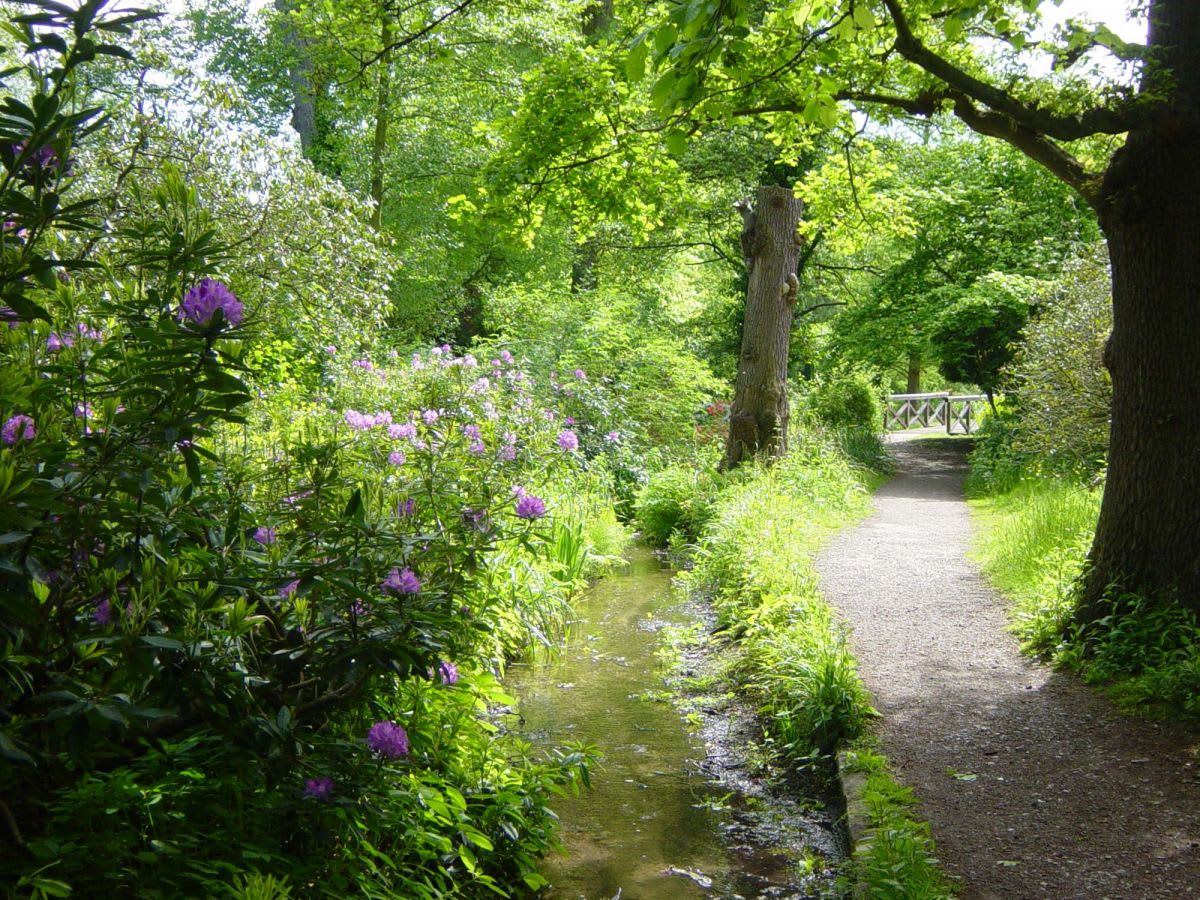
[[240, 634]]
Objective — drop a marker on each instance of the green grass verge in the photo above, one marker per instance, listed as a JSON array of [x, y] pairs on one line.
[[1032, 544], [755, 558], [894, 859]]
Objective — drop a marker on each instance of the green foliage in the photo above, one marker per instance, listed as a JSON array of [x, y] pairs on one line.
[[895, 857], [756, 554], [1063, 391], [203, 604], [677, 502], [1034, 547], [997, 466], [847, 400], [975, 335], [1035, 542]]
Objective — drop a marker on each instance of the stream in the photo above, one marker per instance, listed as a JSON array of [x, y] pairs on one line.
[[665, 819]]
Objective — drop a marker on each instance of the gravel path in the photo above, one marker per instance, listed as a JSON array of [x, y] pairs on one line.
[[1058, 794]]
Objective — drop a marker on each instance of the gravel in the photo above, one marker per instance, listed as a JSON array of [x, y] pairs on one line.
[[1034, 785]]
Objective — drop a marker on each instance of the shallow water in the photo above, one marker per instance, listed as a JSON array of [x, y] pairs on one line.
[[655, 825]]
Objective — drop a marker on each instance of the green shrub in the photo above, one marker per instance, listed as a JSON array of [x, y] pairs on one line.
[[996, 464], [895, 858], [844, 401], [1064, 393], [243, 633], [756, 554], [677, 500]]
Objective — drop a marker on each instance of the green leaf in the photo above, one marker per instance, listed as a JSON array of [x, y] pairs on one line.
[[635, 62], [677, 142], [664, 38]]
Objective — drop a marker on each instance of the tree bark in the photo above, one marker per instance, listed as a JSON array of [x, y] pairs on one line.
[[914, 373], [1148, 535], [758, 419], [304, 108], [383, 115]]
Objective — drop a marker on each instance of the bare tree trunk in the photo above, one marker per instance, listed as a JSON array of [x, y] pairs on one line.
[[914, 373], [383, 115], [1148, 535], [304, 112], [758, 419]]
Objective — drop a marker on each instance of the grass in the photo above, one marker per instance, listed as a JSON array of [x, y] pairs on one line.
[[1033, 545], [788, 647], [895, 858]]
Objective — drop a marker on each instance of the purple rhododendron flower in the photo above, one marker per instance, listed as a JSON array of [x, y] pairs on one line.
[[508, 453], [203, 301], [288, 589], [568, 440], [103, 613], [264, 535], [477, 448], [330, 349], [448, 672], [506, 356], [57, 342], [406, 507], [430, 416], [581, 375], [388, 740], [473, 432], [401, 582], [18, 428], [530, 507], [318, 788], [365, 364], [359, 609], [396, 458], [612, 437]]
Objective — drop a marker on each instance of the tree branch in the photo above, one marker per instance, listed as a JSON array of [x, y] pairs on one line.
[[1097, 120]]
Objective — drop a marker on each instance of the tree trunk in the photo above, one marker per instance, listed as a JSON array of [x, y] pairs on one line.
[[1148, 535], [758, 419], [914, 373], [383, 115], [597, 17], [304, 109]]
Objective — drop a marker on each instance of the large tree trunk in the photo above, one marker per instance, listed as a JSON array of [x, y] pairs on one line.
[[758, 419], [1148, 536], [383, 115]]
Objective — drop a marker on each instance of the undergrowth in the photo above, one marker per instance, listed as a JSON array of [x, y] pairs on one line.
[[895, 857], [755, 559], [1033, 546]]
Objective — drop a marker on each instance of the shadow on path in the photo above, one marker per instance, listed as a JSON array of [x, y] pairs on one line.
[[1069, 798]]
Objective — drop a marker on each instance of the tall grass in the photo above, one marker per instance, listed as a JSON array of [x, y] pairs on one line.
[[755, 558], [1033, 545]]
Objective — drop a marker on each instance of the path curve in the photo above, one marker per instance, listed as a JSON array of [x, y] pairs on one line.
[[1071, 798]]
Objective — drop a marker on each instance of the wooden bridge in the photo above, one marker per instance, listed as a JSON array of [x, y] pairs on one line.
[[956, 412]]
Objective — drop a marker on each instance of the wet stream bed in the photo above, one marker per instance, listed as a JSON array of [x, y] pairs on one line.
[[674, 811]]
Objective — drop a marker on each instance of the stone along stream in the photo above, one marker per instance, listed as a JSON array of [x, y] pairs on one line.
[[667, 818]]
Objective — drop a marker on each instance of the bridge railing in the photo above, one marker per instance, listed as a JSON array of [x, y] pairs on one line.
[[957, 413]]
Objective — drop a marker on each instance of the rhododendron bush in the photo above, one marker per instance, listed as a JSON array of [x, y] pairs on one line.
[[240, 629]]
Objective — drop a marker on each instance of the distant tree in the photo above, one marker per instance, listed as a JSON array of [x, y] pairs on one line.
[[976, 336]]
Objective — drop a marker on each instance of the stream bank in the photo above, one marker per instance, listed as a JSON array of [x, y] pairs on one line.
[[675, 811]]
